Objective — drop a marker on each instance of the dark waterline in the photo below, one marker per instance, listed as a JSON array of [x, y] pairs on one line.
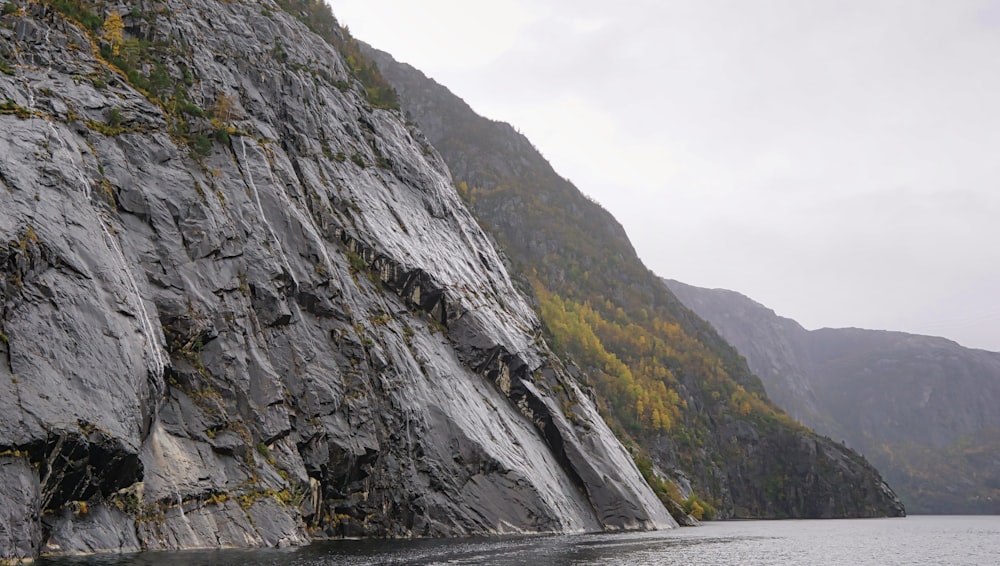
[[966, 540]]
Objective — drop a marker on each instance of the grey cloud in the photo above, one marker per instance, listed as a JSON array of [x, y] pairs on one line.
[[836, 160]]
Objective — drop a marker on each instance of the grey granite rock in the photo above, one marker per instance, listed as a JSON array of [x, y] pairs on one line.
[[269, 342], [20, 531]]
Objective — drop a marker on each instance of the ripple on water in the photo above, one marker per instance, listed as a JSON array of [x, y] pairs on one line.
[[959, 540]]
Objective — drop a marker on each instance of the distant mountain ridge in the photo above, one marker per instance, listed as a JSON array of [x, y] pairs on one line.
[[664, 375], [923, 409]]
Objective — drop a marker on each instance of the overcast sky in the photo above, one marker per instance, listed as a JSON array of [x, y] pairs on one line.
[[837, 161]]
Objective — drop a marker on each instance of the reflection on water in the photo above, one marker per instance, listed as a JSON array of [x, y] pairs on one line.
[[914, 540]]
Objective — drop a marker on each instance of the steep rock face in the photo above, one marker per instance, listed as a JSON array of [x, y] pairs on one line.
[[775, 347], [923, 409], [723, 439], [293, 328]]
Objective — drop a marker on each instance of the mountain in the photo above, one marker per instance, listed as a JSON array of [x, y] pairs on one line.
[[243, 305], [775, 347], [922, 409], [703, 430]]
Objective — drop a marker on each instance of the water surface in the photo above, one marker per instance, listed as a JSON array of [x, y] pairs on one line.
[[966, 540]]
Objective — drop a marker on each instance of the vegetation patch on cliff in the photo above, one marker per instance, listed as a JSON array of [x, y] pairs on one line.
[[317, 16]]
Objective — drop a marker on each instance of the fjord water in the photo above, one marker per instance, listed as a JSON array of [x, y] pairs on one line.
[[960, 540]]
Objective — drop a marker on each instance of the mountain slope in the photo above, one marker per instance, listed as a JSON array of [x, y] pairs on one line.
[[666, 378], [775, 347], [242, 304], [923, 409]]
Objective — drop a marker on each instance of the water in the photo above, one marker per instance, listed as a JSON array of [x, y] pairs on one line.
[[965, 540], [156, 357]]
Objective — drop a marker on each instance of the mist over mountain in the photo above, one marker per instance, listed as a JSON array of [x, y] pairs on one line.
[[922, 409]]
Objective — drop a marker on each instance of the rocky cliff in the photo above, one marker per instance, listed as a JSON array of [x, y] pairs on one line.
[[242, 305], [665, 377], [776, 348], [923, 409]]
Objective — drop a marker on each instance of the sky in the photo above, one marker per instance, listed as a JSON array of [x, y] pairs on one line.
[[836, 161]]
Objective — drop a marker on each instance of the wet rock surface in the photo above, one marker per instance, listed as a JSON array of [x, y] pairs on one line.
[[297, 331], [20, 531]]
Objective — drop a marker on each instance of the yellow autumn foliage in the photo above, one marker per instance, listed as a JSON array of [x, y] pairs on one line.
[[112, 31]]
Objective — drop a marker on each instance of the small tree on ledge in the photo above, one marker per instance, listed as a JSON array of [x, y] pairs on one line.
[[112, 31]]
